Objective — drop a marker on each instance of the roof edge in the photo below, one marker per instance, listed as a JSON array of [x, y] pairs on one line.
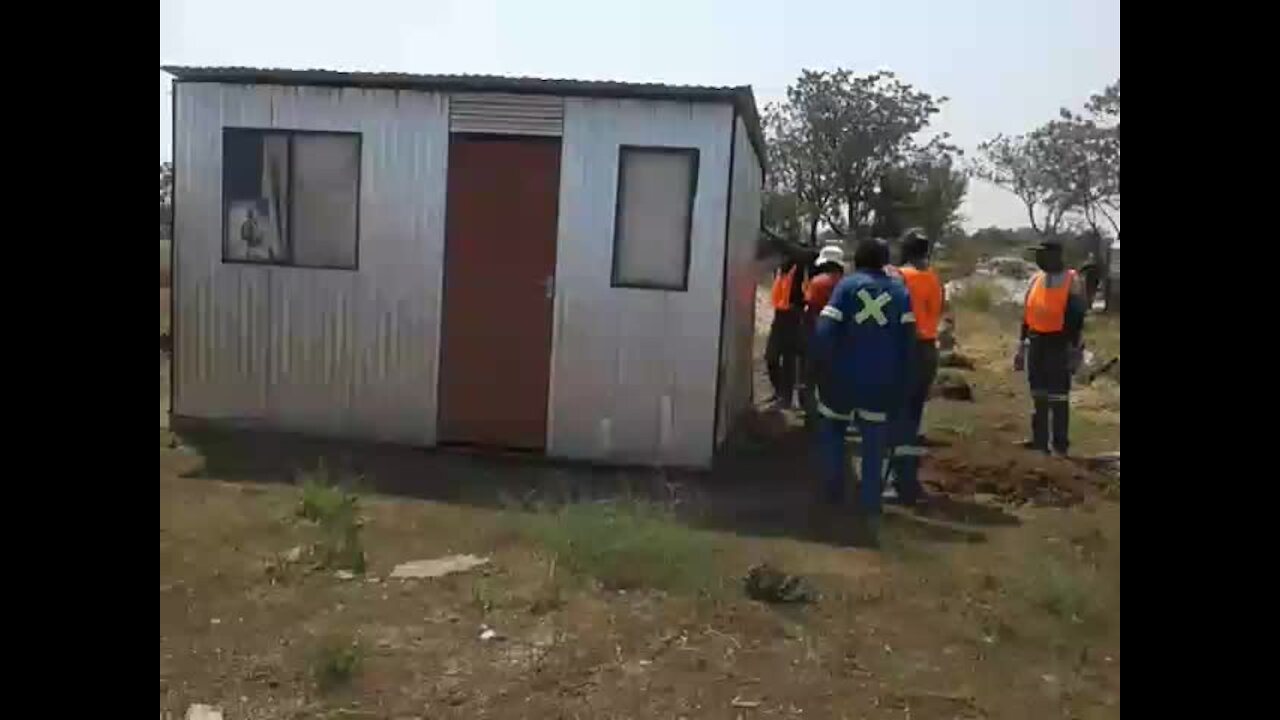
[[742, 97]]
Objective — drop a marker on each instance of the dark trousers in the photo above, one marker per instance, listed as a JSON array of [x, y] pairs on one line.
[[918, 395], [831, 460], [907, 449], [782, 353], [1049, 374]]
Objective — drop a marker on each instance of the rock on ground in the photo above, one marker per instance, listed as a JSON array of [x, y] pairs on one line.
[[952, 386], [437, 567], [952, 359], [203, 712]]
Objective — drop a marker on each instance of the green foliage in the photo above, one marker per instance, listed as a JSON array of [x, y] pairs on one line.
[[335, 662], [626, 544], [336, 514], [1068, 166], [1065, 591], [838, 137]]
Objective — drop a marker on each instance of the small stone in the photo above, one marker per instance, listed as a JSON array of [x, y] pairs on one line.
[[198, 711], [344, 575], [215, 621], [293, 555]]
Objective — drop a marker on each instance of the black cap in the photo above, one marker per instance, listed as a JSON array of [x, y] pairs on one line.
[[915, 243], [914, 234], [871, 254]]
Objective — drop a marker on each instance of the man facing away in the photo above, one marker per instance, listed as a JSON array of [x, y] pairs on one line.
[[862, 359], [1051, 346], [927, 300]]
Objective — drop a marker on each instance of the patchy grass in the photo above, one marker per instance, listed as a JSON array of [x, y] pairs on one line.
[[1065, 591], [1021, 623], [1102, 335], [335, 662], [626, 544], [336, 514]]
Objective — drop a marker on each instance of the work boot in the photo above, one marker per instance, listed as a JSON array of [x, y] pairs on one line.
[[1033, 445]]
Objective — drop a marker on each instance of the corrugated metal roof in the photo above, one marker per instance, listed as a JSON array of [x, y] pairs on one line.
[[741, 96]]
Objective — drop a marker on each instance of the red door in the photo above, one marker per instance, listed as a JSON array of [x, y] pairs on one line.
[[500, 257]]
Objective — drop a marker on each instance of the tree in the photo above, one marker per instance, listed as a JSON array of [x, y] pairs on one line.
[[780, 213], [798, 168], [1070, 165], [1024, 165], [877, 117], [939, 189], [837, 138]]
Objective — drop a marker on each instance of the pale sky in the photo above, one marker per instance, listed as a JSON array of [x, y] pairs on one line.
[[1007, 65]]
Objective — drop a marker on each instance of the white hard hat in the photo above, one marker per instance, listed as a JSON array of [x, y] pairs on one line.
[[830, 254]]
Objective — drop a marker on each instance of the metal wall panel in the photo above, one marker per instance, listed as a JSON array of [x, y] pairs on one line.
[[634, 370], [506, 114], [738, 332], [340, 352]]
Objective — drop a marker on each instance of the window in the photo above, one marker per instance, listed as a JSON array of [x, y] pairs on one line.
[[291, 197], [653, 218]]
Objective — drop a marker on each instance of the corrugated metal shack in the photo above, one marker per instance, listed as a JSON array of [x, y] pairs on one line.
[[551, 265]]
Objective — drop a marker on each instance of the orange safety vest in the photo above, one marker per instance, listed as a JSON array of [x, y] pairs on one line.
[[1046, 309], [925, 290], [782, 283]]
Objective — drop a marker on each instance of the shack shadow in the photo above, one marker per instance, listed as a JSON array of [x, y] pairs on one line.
[[762, 490]]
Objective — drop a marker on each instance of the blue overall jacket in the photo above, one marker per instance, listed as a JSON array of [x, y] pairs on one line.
[[863, 347]]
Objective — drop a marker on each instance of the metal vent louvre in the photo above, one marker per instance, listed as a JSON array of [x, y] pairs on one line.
[[506, 114]]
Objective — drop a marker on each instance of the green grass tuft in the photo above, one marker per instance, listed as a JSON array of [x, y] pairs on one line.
[[625, 545], [336, 512], [335, 662]]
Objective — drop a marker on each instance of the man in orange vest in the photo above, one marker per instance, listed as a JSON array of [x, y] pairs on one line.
[[927, 298], [785, 343], [1051, 346]]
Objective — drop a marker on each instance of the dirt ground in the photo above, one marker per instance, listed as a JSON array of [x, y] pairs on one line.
[[1002, 601]]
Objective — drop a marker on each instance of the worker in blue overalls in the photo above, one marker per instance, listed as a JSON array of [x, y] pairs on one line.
[[862, 352]]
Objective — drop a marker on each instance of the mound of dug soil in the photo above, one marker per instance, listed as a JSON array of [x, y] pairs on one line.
[[1013, 475]]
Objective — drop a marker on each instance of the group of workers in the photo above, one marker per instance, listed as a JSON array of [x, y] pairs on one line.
[[862, 342]]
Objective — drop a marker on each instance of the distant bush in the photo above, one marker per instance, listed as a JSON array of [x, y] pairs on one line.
[[979, 296]]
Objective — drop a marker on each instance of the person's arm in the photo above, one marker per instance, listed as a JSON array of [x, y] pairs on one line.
[[1022, 334], [827, 331], [1073, 322], [906, 340], [1020, 355]]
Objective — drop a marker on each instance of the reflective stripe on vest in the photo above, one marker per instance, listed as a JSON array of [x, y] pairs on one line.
[[1046, 309], [926, 299], [782, 283]]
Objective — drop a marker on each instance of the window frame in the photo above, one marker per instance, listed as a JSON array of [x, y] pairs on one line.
[[694, 154], [291, 134]]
